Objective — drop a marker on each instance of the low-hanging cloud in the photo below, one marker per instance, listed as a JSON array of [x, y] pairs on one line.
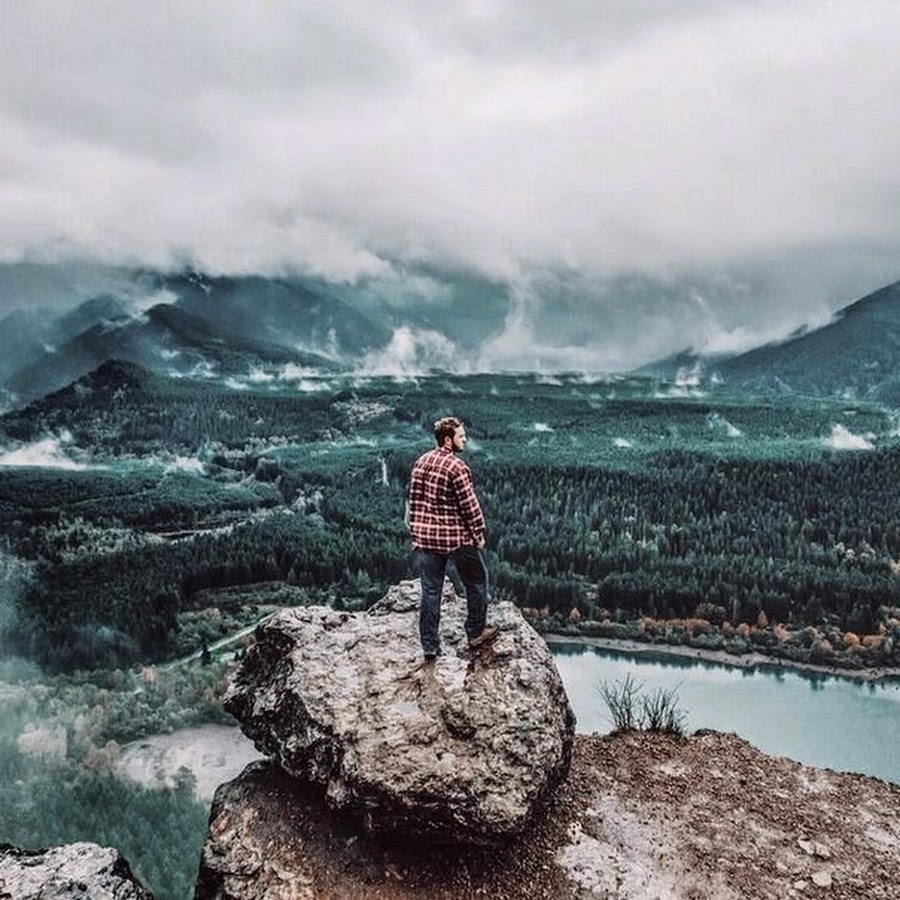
[[841, 438], [345, 140], [413, 351], [51, 452]]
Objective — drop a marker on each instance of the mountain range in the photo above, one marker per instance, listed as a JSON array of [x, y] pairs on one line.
[[193, 325], [856, 355]]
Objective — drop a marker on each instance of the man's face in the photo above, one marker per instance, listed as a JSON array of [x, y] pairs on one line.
[[459, 439]]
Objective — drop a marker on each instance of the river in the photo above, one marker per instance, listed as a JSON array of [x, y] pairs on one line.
[[821, 720]]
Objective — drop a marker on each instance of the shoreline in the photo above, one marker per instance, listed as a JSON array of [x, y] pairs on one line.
[[749, 661]]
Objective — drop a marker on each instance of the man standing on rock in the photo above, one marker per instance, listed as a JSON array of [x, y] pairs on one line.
[[446, 522]]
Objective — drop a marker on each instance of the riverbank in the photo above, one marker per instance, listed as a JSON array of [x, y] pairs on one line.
[[749, 661]]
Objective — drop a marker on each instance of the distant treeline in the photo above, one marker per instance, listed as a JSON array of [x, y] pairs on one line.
[[798, 540]]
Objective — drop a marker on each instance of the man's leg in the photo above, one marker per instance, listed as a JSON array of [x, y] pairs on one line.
[[431, 579], [470, 565]]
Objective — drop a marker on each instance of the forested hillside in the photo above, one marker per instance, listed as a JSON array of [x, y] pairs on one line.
[[610, 509]]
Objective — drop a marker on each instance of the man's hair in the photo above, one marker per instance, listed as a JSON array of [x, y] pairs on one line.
[[444, 428]]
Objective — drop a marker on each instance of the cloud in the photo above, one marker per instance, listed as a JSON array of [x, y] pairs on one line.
[[719, 424], [300, 378], [413, 351], [187, 464], [505, 139], [48, 453], [842, 438]]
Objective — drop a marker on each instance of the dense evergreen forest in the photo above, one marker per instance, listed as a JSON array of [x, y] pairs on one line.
[[610, 507], [159, 517]]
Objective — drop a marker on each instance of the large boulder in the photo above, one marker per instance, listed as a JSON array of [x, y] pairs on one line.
[[465, 748], [74, 871]]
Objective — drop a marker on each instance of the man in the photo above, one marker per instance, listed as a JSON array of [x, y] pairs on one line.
[[446, 522]]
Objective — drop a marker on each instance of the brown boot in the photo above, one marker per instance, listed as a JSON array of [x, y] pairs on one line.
[[488, 634]]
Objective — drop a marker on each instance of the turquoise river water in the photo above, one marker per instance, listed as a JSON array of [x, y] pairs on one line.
[[821, 720]]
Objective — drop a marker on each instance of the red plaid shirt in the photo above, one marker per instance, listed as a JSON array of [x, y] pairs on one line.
[[444, 512]]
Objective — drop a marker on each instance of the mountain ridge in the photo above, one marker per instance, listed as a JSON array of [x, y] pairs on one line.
[[204, 331], [193, 325], [856, 355]]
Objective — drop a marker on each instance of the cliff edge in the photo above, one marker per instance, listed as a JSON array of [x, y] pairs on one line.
[[641, 816], [389, 778]]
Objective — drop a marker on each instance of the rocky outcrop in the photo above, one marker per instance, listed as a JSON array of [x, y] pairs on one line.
[[273, 837], [371, 750], [639, 816], [79, 871], [463, 749]]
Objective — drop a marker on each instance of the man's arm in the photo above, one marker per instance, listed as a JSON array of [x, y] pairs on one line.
[[468, 505]]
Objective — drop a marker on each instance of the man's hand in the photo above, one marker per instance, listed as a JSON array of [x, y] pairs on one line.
[[481, 542]]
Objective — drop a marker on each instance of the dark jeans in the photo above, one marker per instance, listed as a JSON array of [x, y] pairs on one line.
[[470, 566]]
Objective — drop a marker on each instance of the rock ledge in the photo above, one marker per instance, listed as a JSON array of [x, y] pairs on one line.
[[463, 749]]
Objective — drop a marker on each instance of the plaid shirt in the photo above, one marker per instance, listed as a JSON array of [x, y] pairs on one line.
[[443, 512]]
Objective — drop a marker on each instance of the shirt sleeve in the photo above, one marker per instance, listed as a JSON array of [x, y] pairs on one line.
[[469, 507]]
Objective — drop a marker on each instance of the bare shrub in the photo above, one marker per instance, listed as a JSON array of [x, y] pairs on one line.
[[630, 709], [621, 698], [660, 712]]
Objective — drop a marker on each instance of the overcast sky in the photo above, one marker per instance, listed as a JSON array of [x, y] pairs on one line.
[[752, 142]]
